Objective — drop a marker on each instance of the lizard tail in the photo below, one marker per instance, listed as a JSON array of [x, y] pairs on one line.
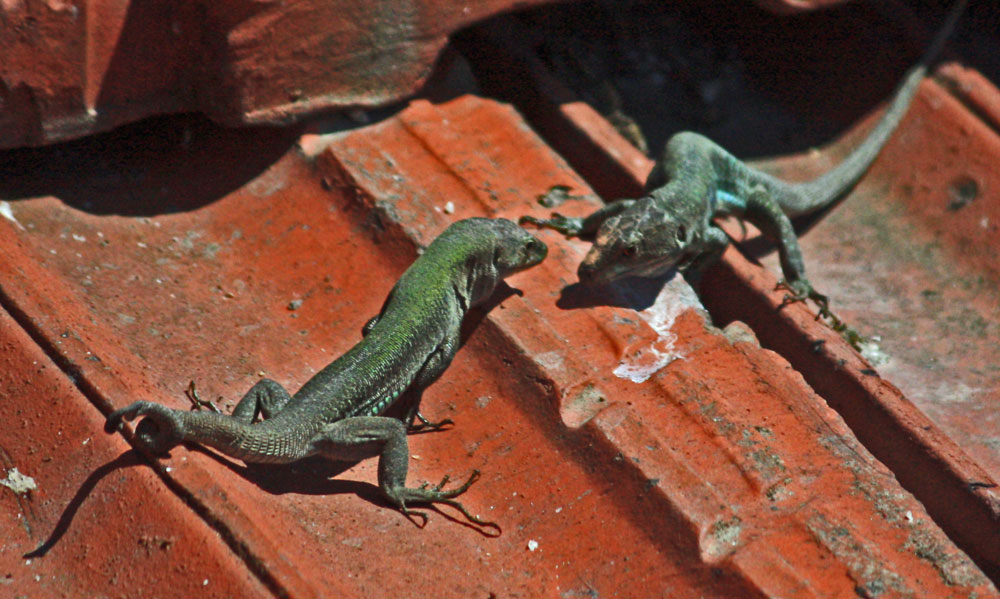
[[832, 185]]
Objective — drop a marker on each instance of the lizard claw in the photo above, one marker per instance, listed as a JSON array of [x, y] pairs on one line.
[[412, 516], [444, 481], [854, 338], [569, 226], [428, 426], [801, 290], [157, 432], [424, 494], [197, 402]]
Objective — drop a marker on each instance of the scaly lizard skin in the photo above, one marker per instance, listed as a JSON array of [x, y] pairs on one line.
[[696, 180], [337, 413]]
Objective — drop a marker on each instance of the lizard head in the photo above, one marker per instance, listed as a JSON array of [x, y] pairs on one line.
[[490, 249], [514, 248], [637, 243]]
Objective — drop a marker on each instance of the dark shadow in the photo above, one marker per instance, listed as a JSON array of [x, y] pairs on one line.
[[636, 293], [476, 315], [129, 458], [333, 121], [694, 67], [758, 246], [699, 66], [755, 248], [172, 162], [157, 166], [316, 476], [310, 476]]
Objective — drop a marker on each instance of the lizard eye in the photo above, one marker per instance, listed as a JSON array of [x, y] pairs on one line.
[[629, 251], [681, 234]]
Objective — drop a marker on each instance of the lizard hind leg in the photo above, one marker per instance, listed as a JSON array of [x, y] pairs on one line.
[[265, 399], [368, 436]]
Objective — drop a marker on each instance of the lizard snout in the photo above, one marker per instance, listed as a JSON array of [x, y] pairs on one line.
[[590, 274]]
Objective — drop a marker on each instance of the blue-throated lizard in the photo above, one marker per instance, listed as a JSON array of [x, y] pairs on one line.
[[696, 180]]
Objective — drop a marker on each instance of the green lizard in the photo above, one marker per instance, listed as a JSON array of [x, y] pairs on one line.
[[337, 413], [696, 180]]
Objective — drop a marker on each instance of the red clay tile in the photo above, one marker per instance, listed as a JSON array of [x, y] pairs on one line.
[[977, 92], [70, 70], [723, 474]]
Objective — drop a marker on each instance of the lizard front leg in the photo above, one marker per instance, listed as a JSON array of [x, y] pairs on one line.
[[764, 212], [425, 424], [368, 436], [576, 226], [713, 243], [435, 364], [411, 402]]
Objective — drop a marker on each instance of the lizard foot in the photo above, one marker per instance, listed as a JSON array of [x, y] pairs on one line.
[[428, 426], [569, 226], [197, 402], [157, 432], [801, 290], [436, 494]]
